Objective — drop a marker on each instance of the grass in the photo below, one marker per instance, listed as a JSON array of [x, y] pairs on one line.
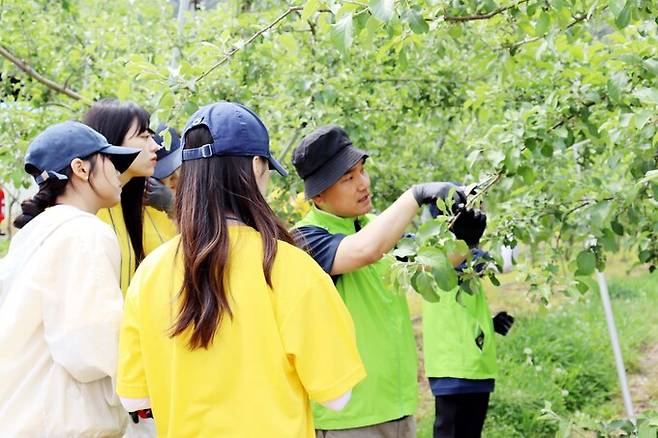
[[563, 356]]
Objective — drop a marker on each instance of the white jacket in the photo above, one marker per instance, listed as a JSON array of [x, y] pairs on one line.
[[60, 313]]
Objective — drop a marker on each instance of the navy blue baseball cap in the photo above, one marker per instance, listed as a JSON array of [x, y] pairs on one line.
[[235, 130], [168, 159], [52, 151]]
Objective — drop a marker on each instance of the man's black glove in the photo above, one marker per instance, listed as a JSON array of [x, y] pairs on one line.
[[469, 226], [428, 193], [502, 322], [158, 195]]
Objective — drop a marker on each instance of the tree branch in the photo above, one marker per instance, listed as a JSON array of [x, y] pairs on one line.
[[25, 67], [493, 179], [462, 19], [514, 47], [235, 49]]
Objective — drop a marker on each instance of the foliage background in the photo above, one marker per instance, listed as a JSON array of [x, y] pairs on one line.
[[554, 100]]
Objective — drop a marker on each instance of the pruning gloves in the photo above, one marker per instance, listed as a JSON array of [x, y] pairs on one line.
[[502, 322], [428, 193], [469, 226], [158, 195]]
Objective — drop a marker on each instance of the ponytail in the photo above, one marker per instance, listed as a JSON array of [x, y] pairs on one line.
[[49, 191], [46, 197]]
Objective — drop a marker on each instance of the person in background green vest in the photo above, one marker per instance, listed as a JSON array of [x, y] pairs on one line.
[[460, 356], [349, 243]]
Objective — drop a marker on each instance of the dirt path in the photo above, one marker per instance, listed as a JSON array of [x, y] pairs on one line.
[[644, 383]]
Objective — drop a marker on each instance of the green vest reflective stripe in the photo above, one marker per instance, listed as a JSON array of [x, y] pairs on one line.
[[450, 337], [384, 336]]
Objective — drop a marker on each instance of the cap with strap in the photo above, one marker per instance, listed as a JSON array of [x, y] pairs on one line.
[[235, 130]]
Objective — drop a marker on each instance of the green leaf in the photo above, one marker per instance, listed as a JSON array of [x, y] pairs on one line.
[[645, 255], [310, 8], [405, 248], [167, 100], [289, 42], [585, 283], [382, 9], [123, 91], [616, 6], [613, 91], [617, 227], [469, 286], [543, 23], [341, 33], [624, 16], [429, 256], [654, 189], [608, 240], [531, 9], [647, 95], [527, 174], [586, 262], [652, 66], [428, 229], [599, 214], [423, 283], [416, 21], [582, 286], [443, 272]]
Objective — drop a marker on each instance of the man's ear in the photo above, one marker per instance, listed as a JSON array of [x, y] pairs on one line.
[[318, 200], [80, 169]]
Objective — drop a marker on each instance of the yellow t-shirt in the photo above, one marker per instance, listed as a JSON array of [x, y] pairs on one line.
[[158, 228], [283, 346]]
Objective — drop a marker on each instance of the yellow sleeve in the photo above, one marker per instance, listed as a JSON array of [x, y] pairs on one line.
[[318, 334], [131, 379]]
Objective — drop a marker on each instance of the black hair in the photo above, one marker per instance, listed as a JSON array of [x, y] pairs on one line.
[[113, 119], [210, 189]]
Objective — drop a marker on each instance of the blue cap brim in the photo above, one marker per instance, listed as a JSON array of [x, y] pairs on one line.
[[168, 164], [122, 157], [274, 164]]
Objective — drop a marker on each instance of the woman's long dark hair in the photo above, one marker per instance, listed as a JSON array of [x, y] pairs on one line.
[[113, 119], [208, 189], [48, 193]]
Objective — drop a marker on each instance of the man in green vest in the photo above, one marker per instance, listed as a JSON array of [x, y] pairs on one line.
[[348, 243]]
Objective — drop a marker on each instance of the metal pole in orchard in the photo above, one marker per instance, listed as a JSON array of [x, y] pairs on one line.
[[616, 349]]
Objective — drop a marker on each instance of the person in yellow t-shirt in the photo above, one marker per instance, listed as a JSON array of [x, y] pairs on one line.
[[229, 330], [127, 124]]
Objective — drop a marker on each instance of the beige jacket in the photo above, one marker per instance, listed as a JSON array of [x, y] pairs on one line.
[[60, 312]]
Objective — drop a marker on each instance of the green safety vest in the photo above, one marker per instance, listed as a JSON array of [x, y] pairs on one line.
[[450, 333], [384, 337]]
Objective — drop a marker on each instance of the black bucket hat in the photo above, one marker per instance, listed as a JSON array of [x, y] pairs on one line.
[[323, 157]]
